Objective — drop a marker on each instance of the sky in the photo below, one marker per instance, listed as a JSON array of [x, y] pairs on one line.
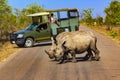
[[98, 6]]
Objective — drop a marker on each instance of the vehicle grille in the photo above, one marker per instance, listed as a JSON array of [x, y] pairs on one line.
[[13, 36]]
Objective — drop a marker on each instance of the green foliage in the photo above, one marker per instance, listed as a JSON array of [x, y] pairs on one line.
[[87, 16], [113, 34], [34, 8], [99, 20], [22, 20], [113, 13], [5, 11], [10, 22], [4, 8]]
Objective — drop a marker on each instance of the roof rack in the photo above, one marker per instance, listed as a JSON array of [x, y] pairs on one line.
[[63, 9]]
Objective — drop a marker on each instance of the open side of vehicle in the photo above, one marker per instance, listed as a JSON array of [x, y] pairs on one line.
[[42, 29]]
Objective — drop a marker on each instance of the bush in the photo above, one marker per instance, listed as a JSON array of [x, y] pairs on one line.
[[113, 34]]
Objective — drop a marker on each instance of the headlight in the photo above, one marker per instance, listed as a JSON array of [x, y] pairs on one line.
[[20, 36]]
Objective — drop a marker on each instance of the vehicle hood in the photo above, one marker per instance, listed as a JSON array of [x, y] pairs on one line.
[[21, 32]]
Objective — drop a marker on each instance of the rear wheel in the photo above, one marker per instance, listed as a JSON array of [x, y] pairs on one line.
[[29, 42]]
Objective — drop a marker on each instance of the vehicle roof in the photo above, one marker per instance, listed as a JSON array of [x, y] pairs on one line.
[[63, 9], [39, 14]]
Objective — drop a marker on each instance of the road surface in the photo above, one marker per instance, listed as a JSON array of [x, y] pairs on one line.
[[34, 64]]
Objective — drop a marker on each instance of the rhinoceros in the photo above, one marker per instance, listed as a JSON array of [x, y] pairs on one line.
[[76, 42]]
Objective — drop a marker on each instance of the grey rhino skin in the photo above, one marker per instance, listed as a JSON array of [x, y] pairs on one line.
[[52, 51], [74, 43]]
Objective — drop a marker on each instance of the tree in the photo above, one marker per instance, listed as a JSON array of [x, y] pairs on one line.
[[10, 22], [113, 13], [22, 19], [5, 10], [33, 8], [87, 16], [99, 20]]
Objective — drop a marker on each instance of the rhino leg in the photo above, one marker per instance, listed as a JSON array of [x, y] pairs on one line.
[[93, 47], [73, 56], [97, 57], [97, 52], [64, 58], [67, 56], [89, 55]]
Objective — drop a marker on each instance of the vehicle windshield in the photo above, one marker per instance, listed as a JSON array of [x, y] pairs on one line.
[[30, 27]]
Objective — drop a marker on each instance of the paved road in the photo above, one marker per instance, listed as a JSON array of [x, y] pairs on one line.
[[34, 64]]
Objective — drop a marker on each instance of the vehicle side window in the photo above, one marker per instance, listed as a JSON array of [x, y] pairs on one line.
[[42, 26], [73, 14], [63, 15]]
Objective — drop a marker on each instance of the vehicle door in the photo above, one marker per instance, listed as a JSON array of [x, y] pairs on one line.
[[43, 32]]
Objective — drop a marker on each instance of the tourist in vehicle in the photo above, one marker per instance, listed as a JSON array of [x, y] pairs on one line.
[[54, 20]]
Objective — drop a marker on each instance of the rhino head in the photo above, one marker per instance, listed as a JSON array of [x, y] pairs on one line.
[[60, 51], [50, 53], [52, 50]]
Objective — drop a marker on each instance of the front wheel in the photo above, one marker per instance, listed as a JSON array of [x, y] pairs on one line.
[[29, 42]]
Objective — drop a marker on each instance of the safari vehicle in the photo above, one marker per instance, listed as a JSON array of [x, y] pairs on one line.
[[42, 29]]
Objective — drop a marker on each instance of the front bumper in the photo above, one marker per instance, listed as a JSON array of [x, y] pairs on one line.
[[15, 40], [20, 41]]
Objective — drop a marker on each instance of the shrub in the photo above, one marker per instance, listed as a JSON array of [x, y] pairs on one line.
[[113, 34]]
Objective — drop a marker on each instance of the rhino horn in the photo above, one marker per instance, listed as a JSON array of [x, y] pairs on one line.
[[46, 52]]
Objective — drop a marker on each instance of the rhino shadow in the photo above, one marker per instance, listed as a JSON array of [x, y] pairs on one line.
[[79, 59]]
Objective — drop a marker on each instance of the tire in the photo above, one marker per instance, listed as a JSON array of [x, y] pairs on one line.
[[29, 42], [76, 28]]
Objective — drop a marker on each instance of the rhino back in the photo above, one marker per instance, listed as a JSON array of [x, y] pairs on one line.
[[79, 40]]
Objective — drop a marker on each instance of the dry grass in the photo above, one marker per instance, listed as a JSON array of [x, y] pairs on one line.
[[6, 50], [103, 30]]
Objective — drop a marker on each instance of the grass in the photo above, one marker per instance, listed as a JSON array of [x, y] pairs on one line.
[[113, 34], [6, 50]]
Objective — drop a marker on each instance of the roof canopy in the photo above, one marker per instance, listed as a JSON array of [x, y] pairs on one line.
[[39, 14], [64, 9], [49, 11]]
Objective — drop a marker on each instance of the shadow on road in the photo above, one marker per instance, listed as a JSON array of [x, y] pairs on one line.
[[42, 44], [79, 59], [38, 44]]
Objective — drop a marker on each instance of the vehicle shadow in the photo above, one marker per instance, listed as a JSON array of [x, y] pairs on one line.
[[42, 44], [37, 45]]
